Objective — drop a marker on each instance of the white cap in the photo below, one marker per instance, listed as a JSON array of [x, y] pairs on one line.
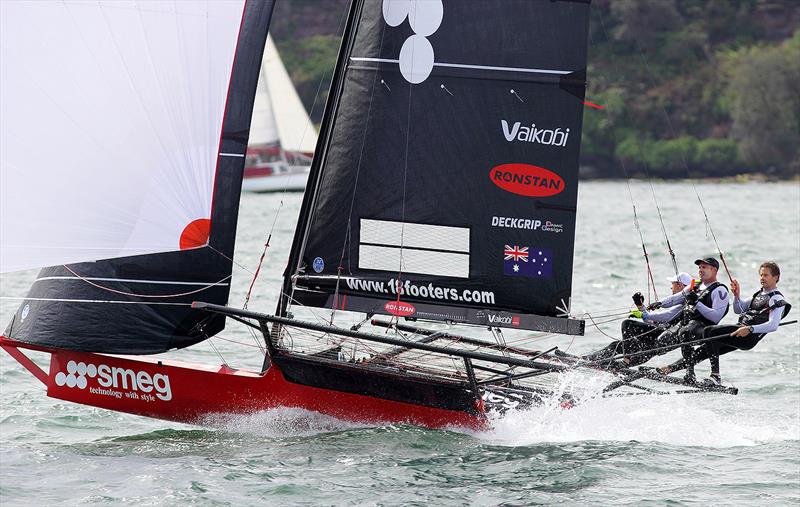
[[682, 278]]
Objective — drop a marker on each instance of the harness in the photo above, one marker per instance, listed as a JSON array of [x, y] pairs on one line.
[[704, 297], [759, 310]]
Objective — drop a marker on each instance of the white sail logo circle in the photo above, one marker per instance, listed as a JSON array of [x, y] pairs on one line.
[[76, 375], [425, 16], [416, 59], [25, 311]]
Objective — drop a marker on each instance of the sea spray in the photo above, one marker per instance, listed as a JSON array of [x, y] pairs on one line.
[[706, 419], [280, 422]]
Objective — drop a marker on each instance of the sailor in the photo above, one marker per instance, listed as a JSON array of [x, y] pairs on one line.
[[640, 335], [758, 315], [704, 305]]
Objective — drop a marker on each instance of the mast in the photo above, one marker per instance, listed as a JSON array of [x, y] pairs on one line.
[[320, 154]]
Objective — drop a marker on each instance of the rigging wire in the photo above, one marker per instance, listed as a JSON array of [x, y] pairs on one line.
[[663, 227], [650, 280], [683, 159], [347, 235], [283, 193], [226, 257]]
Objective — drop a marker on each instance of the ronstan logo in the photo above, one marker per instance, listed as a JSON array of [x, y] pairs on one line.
[[399, 308], [525, 134], [528, 180]]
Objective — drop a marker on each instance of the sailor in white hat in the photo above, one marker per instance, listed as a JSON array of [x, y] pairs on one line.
[[656, 312], [640, 335]]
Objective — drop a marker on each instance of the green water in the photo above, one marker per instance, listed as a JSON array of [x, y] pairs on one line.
[[674, 450]]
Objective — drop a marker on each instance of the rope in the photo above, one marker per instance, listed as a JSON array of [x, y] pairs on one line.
[[711, 230], [218, 337], [260, 262], [211, 342], [155, 296], [663, 227], [229, 259], [342, 29], [347, 236], [597, 326], [650, 280]]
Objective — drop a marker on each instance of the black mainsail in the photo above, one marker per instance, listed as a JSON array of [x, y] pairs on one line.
[[141, 304], [445, 182]]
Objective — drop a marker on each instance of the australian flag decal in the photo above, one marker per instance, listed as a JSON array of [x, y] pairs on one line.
[[531, 262]]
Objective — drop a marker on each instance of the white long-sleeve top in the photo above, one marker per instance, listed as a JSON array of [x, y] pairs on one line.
[[662, 314], [740, 307], [719, 302]]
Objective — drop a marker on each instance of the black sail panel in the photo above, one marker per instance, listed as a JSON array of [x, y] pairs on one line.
[[141, 304], [450, 176]]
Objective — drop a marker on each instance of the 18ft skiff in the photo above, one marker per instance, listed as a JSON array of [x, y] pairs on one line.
[[443, 190]]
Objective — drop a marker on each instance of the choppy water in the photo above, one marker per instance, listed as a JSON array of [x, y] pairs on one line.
[[676, 450]]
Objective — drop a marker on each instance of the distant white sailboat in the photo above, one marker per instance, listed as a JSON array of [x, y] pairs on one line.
[[282, 137]]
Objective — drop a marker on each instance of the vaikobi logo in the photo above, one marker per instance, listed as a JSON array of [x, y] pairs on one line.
[[113, 377], [507, 320], [532, 134]]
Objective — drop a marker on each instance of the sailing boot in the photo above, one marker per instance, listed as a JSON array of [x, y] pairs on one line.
[[689, 377], [688, 358], [714, 380], [671, 368]]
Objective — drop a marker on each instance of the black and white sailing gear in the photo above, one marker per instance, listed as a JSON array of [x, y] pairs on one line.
[[762, 313], [755, 311], [711, 305]]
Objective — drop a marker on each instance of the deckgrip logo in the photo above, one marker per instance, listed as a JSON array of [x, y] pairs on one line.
[[525, 134], [115, 378], [528, 180], [399, 308], [532, 224]]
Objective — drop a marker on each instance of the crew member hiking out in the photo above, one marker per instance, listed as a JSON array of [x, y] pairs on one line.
[[704, 305], [639, 336], [758, 315]]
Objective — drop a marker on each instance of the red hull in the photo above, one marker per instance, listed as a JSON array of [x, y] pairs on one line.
[[189, 393]]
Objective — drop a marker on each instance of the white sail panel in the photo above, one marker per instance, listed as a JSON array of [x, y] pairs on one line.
[[110, 125], [278, 114], [263, 129]]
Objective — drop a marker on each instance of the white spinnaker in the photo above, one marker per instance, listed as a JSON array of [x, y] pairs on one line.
[[111, 119], [278, 113]]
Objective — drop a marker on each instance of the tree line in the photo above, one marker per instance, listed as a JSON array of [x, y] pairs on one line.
[[705, 88]]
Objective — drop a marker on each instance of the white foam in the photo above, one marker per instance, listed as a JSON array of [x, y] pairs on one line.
[[280, 423], [707, 420]]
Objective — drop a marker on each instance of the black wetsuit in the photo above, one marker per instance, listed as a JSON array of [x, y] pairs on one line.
[[757, 313], [694, 325], [637, 337], [643, 340]]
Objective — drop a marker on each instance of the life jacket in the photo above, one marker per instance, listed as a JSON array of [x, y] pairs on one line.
[[705, 297], [758, 313]]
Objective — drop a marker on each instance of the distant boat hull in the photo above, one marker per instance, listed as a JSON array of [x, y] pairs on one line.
[[293, 181], [194, 393]]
